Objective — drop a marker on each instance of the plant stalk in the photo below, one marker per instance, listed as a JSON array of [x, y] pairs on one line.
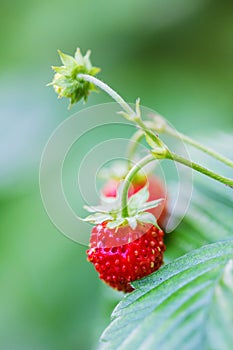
[[175, 157], [201, 147], [115, 96], [127, 182], [162, 151], [133, 143], [129, 111], [172, 156], [170, 131]]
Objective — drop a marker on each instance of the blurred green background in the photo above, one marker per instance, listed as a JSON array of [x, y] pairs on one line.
[[176, 55]]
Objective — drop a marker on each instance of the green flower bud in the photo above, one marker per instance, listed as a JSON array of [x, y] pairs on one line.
[[66, 82]]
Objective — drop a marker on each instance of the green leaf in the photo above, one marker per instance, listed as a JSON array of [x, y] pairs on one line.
[[187, 304], [208, 220]]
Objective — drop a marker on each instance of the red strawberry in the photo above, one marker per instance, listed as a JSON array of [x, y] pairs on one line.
[[156, 191], [122, 255]]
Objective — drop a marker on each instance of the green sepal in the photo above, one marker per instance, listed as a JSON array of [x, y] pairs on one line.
[[147, 218], [137, 108], [151, 204], [94, 70], [66, 82], [67, 60], [96, 209], [132, 221], [116, 223], [138, 199], [127, 116], [110, 210], [154, 141], [98, 218]]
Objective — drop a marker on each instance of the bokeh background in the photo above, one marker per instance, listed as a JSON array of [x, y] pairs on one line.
[[176, 55]]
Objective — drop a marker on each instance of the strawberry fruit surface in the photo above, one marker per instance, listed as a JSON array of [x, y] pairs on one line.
[[123, 255]]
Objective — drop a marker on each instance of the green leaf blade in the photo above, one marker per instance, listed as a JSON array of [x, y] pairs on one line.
[[176, 306]]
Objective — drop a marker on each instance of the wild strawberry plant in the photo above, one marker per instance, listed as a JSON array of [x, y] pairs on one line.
[[188, 302]]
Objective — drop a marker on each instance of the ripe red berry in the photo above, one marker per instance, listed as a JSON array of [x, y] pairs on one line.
[[123, 255], [156, 190]]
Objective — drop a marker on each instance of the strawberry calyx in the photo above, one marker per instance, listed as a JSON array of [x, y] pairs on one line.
[[66, 82], [110, 210]]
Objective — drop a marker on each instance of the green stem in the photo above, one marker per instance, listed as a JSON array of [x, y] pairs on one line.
[[199, 146], [175, 157], [115, 96], [133, 144], [161, 126], [166, 155], [162, 150], [129, 111], [154, 138], [128, 180]]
